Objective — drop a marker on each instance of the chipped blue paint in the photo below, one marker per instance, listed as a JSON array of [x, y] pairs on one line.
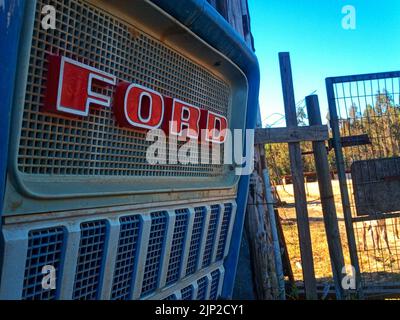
[[11, 21]]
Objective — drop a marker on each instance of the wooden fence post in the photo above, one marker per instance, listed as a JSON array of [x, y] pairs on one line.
[[327, 198], [296, 164]]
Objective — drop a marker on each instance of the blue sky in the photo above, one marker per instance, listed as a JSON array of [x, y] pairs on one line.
[[311, 30]]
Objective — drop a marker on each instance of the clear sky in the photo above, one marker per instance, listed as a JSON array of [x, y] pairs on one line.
[[311, 30]]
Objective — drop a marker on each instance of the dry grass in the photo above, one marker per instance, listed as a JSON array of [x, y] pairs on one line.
[[382, 265], [319, 243]]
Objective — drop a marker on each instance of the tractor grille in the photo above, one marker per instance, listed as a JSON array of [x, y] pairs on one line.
[[150, 247], [96, 145]]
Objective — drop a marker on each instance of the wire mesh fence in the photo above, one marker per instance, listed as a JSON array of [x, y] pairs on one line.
[[369, 106]]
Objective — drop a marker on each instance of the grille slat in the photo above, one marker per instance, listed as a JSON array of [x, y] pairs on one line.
[[45, 247], [126, 257], [226, 220], [215, 276], [178, 245], [96, 145], [194, 250], [154, 252], [187, 293], [90, 260], [212, 231], [202, 290]]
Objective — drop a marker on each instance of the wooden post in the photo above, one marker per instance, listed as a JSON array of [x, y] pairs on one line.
[[272, 225], [306, 186], [296, 165], [260, 242], [327, 198], [285, 254]]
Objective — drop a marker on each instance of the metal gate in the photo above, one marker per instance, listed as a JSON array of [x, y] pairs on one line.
[[365, 122]]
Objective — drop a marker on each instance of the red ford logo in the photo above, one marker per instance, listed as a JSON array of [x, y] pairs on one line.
[[70, 91]]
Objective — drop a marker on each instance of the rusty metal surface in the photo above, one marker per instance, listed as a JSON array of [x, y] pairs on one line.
[[376, 185]]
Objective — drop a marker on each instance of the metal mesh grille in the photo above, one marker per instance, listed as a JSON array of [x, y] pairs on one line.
[[202, 290], [212, 230], [45, 247], [224, 231], [154, 252], [187, 293], [194, 250], [90, 260], [215, 275], [178, 245], [171, 297], [126, 257], [95, 145]]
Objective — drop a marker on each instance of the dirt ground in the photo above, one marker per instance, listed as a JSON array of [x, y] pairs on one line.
[[376, 262]]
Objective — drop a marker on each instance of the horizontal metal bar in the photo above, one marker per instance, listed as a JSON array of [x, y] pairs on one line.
[[379, 216], [292, 134], [363, 77]]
